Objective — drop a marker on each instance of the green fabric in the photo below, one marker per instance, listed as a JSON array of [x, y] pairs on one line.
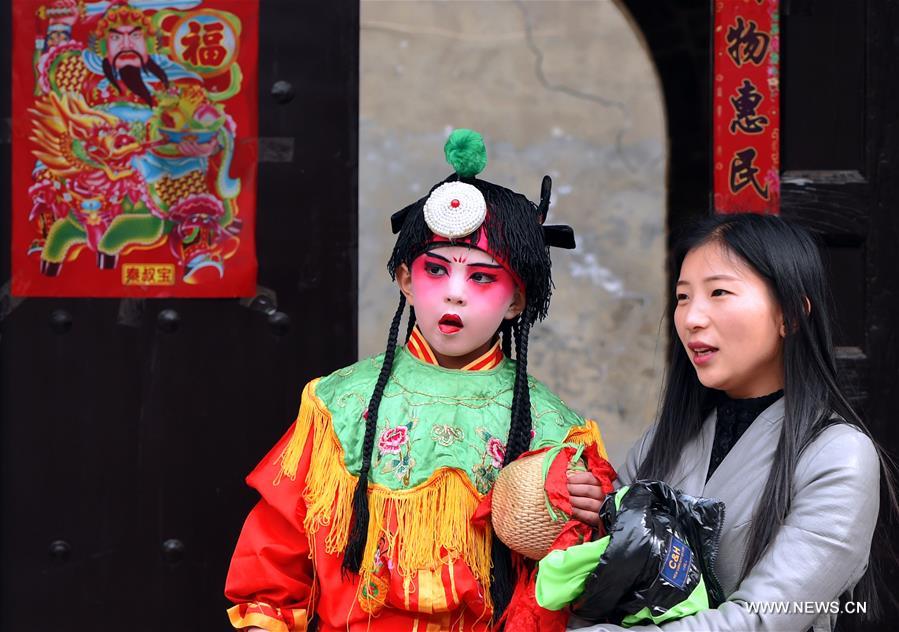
[[436, 418], [465, 152], [561, 575], [619, 495], [696, 602]]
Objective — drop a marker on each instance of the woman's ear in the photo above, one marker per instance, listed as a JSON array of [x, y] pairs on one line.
[[808, 312], [517, 306], [404, 281]]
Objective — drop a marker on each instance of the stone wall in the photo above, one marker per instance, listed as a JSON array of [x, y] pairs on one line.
[[564, 88]]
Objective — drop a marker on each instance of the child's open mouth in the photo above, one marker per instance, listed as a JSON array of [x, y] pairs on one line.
[[449, 324]]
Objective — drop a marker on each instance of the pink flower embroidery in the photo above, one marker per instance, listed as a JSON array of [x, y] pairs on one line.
[[392, 439], [497, 451]]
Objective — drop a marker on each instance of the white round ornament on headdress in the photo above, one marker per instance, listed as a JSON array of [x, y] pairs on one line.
[[455, 209]]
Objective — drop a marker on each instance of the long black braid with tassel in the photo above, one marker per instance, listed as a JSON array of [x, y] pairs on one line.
[[519, 440], [502, 581], [355, 548]]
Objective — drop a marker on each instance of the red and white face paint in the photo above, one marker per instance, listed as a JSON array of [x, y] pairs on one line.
[[461, 296]]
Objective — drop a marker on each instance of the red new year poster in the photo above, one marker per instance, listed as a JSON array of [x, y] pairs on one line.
[[134, 148], [746, 106]]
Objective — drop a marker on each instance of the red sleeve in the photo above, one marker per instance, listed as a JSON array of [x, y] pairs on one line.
[[271, 578]]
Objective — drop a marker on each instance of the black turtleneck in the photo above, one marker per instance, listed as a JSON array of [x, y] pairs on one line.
[[734, 417]]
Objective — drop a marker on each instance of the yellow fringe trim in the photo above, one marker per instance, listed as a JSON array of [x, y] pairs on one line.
[[587, 434], [432, 519]]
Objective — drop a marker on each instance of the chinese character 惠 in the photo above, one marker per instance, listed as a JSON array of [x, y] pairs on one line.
[[745, 105], [743, 173], [746, 43]]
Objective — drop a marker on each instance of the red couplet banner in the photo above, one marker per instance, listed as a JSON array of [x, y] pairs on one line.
[[746, 107], [134, 148]]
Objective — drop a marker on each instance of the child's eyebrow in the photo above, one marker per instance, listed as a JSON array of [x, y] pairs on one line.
[[470, 265]]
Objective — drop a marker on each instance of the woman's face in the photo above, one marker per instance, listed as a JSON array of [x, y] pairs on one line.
[[729, 323], [461, 296]]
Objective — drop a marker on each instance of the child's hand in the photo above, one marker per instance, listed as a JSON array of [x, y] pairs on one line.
[[586, 497]]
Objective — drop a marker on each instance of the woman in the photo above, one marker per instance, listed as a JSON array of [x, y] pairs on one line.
[[752, 415]]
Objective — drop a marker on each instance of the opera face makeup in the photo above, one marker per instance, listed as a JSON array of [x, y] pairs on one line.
[[461, 296]]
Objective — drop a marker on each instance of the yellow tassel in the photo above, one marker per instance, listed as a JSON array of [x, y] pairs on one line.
[[588, 434], [432, 519], [309, 419]]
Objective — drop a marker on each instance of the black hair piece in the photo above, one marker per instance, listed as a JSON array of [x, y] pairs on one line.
[[502, 581], [412, 321], [502, 577], [355, 548], [505, 331], [513, 231], [519, 440], [559, 236], [546, 188]]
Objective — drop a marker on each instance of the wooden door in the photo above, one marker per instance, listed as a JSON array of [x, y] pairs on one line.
[[840, 161], [127, 426]]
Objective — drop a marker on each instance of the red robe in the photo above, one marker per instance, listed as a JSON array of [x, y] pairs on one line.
[[281, 574]]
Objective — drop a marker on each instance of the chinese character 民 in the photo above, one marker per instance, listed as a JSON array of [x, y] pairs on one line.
[[743, 173], [746, 44], [745, 105]]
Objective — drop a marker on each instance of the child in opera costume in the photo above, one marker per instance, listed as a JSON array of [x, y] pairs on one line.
[[364, 521]]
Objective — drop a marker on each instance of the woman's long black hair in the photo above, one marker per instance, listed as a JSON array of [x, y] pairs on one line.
[[787, 257], [515, 232]]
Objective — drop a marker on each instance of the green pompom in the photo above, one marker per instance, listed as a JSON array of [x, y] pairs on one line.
[[465, 152]]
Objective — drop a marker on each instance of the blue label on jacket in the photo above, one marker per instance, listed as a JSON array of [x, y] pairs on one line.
[[676, 566]]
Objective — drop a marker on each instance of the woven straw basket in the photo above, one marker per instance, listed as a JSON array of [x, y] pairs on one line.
[[519, 511]]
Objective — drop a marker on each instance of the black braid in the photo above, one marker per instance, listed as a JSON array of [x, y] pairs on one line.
[[519, 440], [355, 548], [506, 331], [502, 577], [411, 323]]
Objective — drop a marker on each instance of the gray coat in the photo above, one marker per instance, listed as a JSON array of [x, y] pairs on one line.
[[818, 553]]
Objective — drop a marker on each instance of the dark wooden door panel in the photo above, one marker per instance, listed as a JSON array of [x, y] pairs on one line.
[[840, 148], [127, 427]]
